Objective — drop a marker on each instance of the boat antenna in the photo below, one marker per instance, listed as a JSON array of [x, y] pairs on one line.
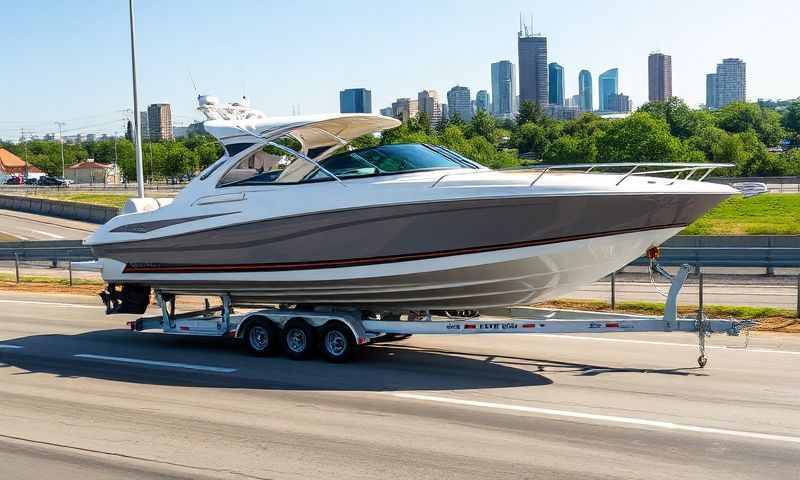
[[193, 83]]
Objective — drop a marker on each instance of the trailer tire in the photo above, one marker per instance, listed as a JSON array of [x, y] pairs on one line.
[[261, 337], [337, 342], [299, 339]]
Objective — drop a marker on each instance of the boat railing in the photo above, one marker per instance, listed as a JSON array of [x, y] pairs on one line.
[[631, 169]]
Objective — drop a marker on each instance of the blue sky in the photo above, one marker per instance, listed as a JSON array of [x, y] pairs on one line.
[[69, 61]]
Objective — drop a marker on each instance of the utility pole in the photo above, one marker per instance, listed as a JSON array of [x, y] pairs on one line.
[[137, 127], [24, 144], [61, 140], [116, 159]]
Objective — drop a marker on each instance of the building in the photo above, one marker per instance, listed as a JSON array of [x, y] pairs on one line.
[[181, 131], [429, 104], [459, 102], [585, 92], [90, 171], [12, 165], [562, 112], [731, 82], [659, 77], [144, 124], [404, 108], [618, 102], [504, 89], [711, 91], [608, 84], [533, 72], [483, 102], [159, 117], [355, 100], [556, 84], [387, 112]]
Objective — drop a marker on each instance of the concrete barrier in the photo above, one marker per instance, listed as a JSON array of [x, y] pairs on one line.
[[58, 208]]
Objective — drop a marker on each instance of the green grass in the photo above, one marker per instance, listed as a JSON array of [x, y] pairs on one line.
[[768, 214], [10, 277], [653, 308], [106, 199]]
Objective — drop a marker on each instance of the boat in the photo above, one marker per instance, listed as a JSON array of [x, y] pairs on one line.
[[293, 214]]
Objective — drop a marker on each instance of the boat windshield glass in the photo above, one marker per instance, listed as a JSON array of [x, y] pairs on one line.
[[264, 167]]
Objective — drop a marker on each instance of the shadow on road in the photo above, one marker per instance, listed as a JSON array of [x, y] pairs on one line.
[[383, 367]]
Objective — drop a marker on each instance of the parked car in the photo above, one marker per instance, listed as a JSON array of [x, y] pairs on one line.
[[31, 181], [67, 181], [51, 182], [14, 181]]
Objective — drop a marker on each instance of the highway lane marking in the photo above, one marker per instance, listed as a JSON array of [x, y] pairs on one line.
[[141, 361], [50, 304], [11, 347], [47, 234], [671, 344], [603, 418]]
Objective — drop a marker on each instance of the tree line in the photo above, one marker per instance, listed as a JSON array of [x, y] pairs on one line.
[[758, 139]]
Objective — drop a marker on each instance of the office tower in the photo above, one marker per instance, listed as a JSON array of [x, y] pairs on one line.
[[459, 102], [618, 102], [387, 112], [483, 102], [533, 74], [159, 117], [144, 125], [556, 88], [585, 91], [504, 89], [430, 105], [711, 91], [404, 109], [608, 83], [659, 75], [355, 100], [731, 82]]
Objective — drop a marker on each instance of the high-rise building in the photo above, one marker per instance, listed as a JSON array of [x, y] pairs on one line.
[[556, 80], [459, 102], [731, 82], [711, 91], [430, 105], [159, 117], [585, 91], [533, 74], [504, 89], [445, 111], [355, 100], [387, 112], [573, 101], [618, 102], [659, 75], [608, 83], [404, 109], [483, 102], [144, 125]]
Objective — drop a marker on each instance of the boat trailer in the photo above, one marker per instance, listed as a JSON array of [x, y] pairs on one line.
[[338, 331]]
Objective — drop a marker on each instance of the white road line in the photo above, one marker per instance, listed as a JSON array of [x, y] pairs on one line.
[[47, 234], [669, 344], [602, 418], [50, 304], [11, 347], [155, 363]]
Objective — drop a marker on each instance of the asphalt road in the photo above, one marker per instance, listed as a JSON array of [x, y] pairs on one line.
[[78, 403], [27, 226]]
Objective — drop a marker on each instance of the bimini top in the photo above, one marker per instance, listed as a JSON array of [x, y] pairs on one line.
[[238, 123]]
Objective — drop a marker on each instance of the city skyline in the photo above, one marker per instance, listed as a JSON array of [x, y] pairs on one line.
[[45, 81]]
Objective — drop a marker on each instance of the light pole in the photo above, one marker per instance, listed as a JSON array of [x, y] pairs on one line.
[[116, 159], [61, 140], [137, 143]]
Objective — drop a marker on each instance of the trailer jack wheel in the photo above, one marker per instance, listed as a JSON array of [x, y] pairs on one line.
[[702, 360]]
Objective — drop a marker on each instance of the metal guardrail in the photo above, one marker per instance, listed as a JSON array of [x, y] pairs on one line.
[[766, 257], [774, 184]]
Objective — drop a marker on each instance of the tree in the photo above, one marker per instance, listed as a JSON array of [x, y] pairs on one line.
[[530, 112], [740, 117], [531, 138], [484, 125], [640, 137], [683, 122], [791, 118], [569, 149]]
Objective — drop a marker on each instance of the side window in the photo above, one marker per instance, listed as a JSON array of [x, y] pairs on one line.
[[268, 165]]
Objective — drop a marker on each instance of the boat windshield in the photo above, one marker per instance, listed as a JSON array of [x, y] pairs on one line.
[[372, 161]]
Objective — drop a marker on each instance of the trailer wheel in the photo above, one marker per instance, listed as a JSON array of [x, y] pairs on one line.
[[261, 337], [337, 342], [298, 339]]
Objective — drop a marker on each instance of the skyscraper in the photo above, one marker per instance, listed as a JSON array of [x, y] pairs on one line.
[[355, 100], [731, 82], [556, 88], [533, 75], [459, 102], [659, 74], [711, 91], [405, 108], [618, 102], [483, 101], [585, 91], [159, 117], [608, 83], [428, 101], [504, 89], [144, 125]]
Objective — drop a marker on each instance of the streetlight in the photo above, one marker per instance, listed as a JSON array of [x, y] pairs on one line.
[[137, 127], [61, 140]]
